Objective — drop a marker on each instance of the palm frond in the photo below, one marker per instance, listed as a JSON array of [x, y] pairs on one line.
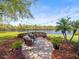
[[16, 8]]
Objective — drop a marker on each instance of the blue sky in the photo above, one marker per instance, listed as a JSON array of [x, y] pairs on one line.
[[48, 12]]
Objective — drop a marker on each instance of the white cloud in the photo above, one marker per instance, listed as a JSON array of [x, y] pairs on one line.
[[46, 17], [69, 11]]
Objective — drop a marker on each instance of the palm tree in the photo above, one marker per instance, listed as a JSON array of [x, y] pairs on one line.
[[63, 25], [15, 9], [75, 26]]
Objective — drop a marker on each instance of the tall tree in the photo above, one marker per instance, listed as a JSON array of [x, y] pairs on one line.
[[63, 25], [15, 9]]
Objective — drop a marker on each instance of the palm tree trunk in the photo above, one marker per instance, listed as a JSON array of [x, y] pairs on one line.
[[72, 35], [65, 36], [71, 38], [78, 44]]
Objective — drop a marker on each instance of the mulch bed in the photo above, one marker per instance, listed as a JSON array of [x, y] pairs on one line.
[[65, 51], [6, 51]]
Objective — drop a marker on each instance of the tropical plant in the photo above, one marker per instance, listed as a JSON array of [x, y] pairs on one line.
[[63, 25], [56, 41], [75, 26]]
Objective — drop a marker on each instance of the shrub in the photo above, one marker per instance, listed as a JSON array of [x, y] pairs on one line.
[[56, 41], [76, 33], [16, 44]]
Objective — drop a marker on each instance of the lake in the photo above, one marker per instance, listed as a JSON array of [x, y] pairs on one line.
[[47, 31]]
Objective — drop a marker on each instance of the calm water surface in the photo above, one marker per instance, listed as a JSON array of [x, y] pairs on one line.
[[47, 31]]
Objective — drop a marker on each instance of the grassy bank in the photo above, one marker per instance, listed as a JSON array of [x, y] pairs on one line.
[[7, 35]]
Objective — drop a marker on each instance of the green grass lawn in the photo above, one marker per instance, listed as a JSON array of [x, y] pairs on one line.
[[7, 35], [69, 36], [58, 38]]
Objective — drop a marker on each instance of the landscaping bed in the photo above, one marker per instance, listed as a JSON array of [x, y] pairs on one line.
[[65, 51], [7, 52], [8, 46]]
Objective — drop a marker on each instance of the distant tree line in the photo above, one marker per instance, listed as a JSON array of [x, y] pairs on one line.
[[21, 27]]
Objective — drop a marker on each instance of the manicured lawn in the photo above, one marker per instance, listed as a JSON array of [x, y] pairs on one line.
[[57, 38], [7, 35], [57, 35]]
